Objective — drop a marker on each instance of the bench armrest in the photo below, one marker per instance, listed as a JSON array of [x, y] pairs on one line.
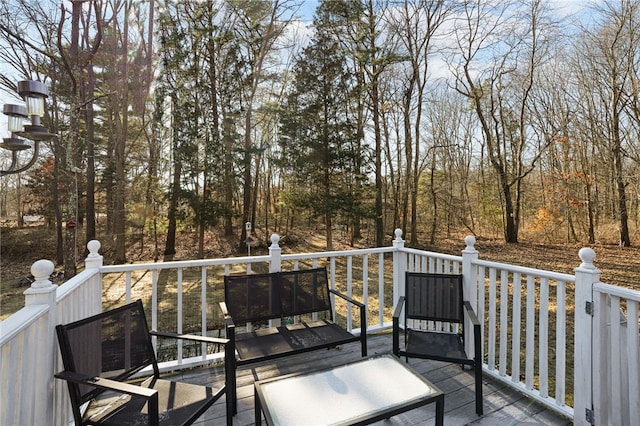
[[193, 337], [347, 298]]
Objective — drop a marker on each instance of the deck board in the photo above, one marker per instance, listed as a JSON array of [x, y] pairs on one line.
[[502, 405]]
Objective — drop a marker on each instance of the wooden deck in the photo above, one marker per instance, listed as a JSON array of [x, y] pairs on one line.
[[502, 405]]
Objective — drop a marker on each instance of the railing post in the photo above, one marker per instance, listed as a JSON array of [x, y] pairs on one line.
[[470, 280], [94, 259], [275, 264], [399, 266], [586, 275], [43, 292], [469, 272]]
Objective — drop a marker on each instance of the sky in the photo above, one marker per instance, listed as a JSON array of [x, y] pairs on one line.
[[307, 9]]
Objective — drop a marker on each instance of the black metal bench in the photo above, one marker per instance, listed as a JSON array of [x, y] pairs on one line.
[[301, 300]]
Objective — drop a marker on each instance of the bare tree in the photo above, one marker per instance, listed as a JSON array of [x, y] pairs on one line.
[[416, 25], [499, 47], [258, 27], [611, 56]]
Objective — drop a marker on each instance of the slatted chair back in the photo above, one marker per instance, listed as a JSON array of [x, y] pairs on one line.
[[113, 345], [305, 292], [434, 297]]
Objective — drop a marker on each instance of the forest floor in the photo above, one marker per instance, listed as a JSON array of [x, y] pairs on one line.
[[20, 247]]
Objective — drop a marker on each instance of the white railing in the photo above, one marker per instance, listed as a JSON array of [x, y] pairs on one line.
[[29, 348], [524, 329], [616, 360], [527, 315]]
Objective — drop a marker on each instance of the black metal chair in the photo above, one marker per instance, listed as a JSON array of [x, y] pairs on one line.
[[432, 299], [102, 354]]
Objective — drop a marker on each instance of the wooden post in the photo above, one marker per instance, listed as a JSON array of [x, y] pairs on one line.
[[43, 292], [586, 275]]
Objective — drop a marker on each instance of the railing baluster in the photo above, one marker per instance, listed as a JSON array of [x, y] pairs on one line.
[[203, 309], [154, 306], [381, 299], [530, 332], [543, 339], [492, 319], [633, 342], [516, 327], [504, 322], [561, 341], [127, 291], [365, 285], [349, 290]]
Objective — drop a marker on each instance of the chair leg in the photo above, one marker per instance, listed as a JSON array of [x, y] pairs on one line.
[[230, 408], [478, 380]]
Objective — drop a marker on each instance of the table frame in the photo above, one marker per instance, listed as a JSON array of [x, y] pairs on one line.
[[366, 418]]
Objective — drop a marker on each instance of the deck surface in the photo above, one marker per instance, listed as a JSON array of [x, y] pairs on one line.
[[502, 405]]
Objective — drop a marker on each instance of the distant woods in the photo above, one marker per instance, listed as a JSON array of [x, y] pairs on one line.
[[489, 116]]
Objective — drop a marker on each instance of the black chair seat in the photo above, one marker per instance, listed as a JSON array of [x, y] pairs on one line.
[[178, 402], [443, 346]]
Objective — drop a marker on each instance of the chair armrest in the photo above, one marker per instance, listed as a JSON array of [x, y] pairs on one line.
[[347, 298], [225, 313], [151, 395], [108, 384], [193, 337], [472, 314], [398, 309], [224, 309], [396, 326]]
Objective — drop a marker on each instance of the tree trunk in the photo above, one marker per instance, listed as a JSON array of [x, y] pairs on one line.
[[91, 168], [247, 186], [170, 245]]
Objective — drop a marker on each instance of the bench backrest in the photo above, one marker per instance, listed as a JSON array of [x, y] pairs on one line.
[[304, 292], [259, 297], [252, 297]]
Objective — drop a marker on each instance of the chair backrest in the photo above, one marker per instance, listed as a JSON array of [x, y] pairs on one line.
[[305, 291], [434, 297], [252, 297], [114, 344]]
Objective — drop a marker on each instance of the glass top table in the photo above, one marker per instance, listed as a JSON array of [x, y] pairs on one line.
[[357, 393]]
